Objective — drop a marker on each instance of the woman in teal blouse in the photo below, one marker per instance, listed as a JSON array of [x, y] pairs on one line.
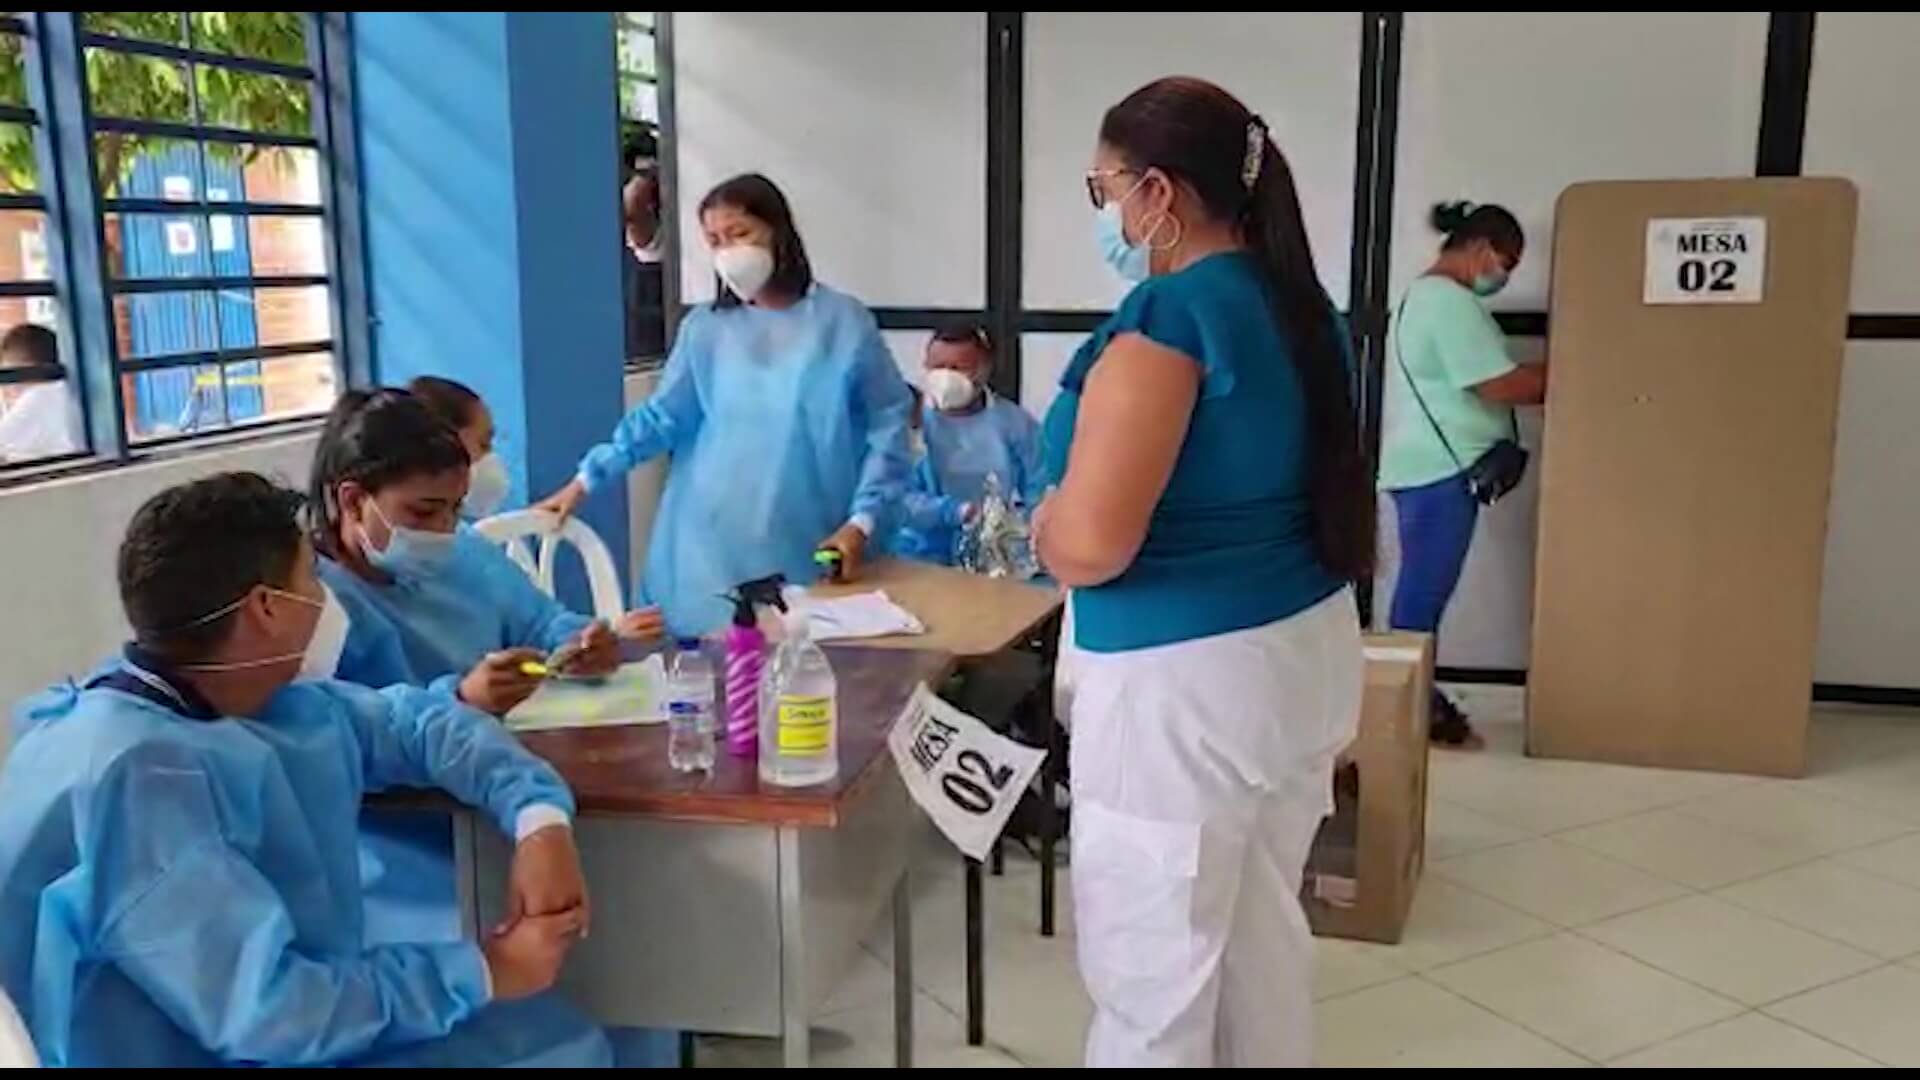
[[1212, 509]]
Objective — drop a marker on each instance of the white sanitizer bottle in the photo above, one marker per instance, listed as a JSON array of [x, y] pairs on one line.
[[799, 710]]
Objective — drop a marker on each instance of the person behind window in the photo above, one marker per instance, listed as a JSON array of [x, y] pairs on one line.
[[969, 434], [641, 273], [1451, 388], [1212, 513], [179, 869], [784, 413], [37, 419]]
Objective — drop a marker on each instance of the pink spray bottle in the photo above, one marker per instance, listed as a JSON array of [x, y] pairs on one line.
[[746, 659]]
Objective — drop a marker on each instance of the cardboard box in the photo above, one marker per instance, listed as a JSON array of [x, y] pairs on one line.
[[1366, 860]]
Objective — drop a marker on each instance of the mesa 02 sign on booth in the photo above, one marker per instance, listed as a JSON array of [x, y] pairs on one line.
[[1706, 260]]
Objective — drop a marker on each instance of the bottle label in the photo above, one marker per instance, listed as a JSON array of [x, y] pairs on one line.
[[805, 724]]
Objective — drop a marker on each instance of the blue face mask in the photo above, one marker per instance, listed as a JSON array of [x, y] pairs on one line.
[[410, 554], [1130, 261], [1489, 283]]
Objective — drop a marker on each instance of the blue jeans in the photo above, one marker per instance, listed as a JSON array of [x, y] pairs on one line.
[[1436, 528]]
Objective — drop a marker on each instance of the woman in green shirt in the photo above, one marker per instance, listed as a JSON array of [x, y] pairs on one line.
[[1450, 392]]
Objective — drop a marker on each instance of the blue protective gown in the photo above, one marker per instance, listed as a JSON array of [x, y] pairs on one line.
[[180, 888], [962, 449], [432, 632], [783, 425]]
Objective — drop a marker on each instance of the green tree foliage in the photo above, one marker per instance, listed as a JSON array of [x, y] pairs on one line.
[[134, 86]]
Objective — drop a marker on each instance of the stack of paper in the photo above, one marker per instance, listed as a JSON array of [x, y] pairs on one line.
[[631, 695]]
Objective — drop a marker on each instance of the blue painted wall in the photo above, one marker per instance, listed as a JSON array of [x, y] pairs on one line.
[[490, 177]]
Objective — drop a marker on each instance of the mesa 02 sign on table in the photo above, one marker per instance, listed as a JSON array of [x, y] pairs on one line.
[[967, 777], [1706, 260]]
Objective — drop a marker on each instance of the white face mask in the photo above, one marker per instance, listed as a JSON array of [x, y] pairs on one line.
[[321, 656], [487, 487], [949, 390], [746, 268]]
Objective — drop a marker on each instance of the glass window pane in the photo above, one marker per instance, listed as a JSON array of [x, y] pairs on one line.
[[135, 87], [161, 26], [277, 316], [250, 101], [40, 417], [283, 246], [275, 174], [19, 167], [146, 246], [23, 246], [280, 36], [147, 167], [147, 325], [174, 401], [207, 398], [304, 384], [13, 70]]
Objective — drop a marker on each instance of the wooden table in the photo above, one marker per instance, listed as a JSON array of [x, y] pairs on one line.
[[973, 617], [967, 615], [721, 905]]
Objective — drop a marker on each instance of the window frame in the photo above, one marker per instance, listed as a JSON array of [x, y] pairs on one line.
[[54, 47]]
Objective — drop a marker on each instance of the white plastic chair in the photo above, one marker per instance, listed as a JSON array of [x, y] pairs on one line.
[[16, 1046], [519, 531]]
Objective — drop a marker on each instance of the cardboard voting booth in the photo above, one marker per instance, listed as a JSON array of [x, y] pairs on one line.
[[1696, 342]]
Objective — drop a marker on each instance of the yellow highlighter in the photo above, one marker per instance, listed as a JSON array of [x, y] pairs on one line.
[[535, 669]]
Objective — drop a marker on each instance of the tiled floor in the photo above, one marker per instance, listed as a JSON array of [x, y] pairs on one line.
[[1571, 915]]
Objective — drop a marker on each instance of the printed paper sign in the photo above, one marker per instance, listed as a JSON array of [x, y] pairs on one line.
[[1706, 260], [965, 776]]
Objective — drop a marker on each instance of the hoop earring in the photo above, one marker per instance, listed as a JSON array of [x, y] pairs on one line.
[[1179, 233]]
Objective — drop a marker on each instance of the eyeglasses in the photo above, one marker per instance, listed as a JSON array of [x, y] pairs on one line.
[[1096, 191]]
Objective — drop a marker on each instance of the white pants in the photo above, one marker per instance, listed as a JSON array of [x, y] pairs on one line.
[[1201, 771]]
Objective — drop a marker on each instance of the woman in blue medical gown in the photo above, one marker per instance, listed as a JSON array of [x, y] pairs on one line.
[[784, 414]]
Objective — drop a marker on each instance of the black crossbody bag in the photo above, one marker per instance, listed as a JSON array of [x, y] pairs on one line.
[[1498, 471]]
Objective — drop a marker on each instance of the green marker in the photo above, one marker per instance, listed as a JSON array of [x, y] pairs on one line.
[[828, 560]]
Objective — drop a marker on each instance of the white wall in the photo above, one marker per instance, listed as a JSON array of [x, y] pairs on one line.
[[1511, 107], [1861, 125], [1299, 70], [874, 123], [59, 599], [1043, 359], [1870, 606]]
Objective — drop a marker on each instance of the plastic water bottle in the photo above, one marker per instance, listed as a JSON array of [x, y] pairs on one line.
[[799, 711], [690, 709]]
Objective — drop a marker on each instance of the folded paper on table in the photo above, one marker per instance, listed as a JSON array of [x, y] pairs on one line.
[[862, 615], [631, 695]]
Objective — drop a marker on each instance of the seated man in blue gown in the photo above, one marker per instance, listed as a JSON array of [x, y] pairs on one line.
[[179, 872]]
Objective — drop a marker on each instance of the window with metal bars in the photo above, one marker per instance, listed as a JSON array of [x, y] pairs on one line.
[[40, 417], [193, 204]]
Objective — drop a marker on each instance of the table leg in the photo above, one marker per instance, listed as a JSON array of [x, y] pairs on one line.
[[795, 1038], [976, 972], [903, 971], [1050, 822]]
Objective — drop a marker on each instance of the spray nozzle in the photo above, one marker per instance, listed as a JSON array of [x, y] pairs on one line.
[[749, 596]]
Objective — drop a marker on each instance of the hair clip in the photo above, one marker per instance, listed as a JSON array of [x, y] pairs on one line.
[[1256, 153]]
